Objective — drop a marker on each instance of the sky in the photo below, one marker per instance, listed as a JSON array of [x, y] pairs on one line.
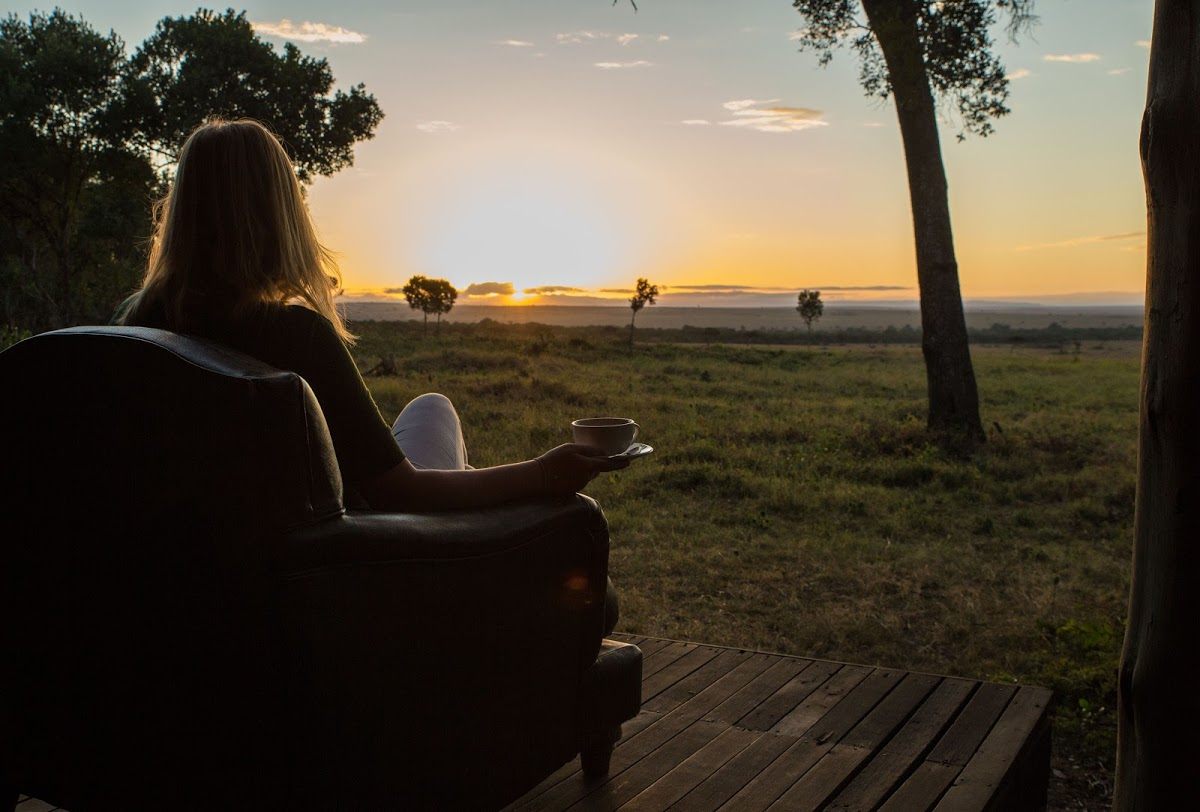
[[553, 151]]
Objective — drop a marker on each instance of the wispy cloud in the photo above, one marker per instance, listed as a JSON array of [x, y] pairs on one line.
[[872, 124], [718, 288], [438, 126], [637, 63], [798, 34], [625, 39], [552, 289], [765, 116], [515, 43], [616, 290], [1019, 73], [1074, 58], [309, 32], [489, 289], [696, 122], [576, 37], [1142, 43], [1118, 71], [1089, 240], [662, 38]]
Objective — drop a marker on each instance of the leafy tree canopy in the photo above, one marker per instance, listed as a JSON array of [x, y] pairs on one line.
[[957, 42], [85, 134], [208, 64]]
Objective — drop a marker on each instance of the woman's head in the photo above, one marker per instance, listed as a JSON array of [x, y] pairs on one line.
[[234, 233]]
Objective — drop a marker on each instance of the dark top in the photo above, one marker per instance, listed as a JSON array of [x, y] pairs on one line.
[[302, 341]]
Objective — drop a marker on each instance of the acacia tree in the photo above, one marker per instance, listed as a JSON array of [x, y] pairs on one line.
[[809, 306], [1157, 748], [916, 51], [643, 294]]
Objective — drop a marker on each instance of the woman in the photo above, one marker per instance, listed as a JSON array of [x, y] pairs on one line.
[[235, 259]]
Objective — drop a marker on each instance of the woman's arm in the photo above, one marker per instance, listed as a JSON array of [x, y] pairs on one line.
[[562, 470]]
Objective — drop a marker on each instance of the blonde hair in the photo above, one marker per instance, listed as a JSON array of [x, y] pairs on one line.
[[234, 234]]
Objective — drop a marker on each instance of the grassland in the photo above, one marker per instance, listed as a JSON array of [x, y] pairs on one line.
[[796, 503]]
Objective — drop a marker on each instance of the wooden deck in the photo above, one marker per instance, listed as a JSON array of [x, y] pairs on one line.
[[741, 730]]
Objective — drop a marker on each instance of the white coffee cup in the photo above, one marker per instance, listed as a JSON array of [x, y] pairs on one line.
[[612, 435]]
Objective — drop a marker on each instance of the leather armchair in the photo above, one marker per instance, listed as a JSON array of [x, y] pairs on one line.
[[189, 618]]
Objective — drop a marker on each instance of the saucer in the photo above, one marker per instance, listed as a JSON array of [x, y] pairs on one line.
[[633, 452]]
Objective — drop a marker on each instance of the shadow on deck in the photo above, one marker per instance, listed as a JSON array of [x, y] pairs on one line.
[[741, 730]]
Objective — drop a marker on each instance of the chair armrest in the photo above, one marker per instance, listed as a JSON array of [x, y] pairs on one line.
[[446, 642]]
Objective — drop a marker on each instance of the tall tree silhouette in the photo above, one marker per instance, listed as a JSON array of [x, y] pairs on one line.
[[916, 51], [1157, 748]]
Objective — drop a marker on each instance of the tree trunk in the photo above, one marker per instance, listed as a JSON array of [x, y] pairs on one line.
[[1158, 748], [631, 320], [950, 378]]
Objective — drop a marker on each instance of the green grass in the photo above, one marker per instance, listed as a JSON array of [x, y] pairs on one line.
[[796, 504]]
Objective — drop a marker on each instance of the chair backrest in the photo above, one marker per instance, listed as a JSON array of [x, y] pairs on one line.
[[147, 480]]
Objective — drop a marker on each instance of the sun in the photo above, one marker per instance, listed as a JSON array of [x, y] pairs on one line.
[[528, 225]]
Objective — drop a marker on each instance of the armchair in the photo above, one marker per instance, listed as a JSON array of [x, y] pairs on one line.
[[189, 618]]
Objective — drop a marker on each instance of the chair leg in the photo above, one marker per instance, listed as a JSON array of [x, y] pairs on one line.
[[596, 751]]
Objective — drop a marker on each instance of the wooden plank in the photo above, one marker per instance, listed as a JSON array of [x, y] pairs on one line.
[[921, 790], [699, 679], [649, 646], [964, 736], [837, 767], [533, 800], [902, 752], [657, 683], [981, 778], [694, 769], [663, 657], [808, 713], [741, 769], [819, 737], [638, 746], [776, 706], [664, 759], [781, 670]]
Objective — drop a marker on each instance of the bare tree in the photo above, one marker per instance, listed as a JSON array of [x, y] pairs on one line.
[[1158, 715]]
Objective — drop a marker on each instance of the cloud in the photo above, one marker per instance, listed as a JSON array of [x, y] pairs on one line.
[[575, 37], [490, 289], [717, 288], [1118, 71], [625, 39], [515, 43], [798, 34], [872, 124], [1142, 43], [309, 32], [696, 122], [438, 126], [637, 63], [1019, 73], [549, 289], [1074, 58], [392, 291], [662, 38], [616, 290], [1075, 241], [761, 115]]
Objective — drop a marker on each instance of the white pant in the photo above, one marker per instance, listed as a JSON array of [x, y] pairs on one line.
[[430, 435]]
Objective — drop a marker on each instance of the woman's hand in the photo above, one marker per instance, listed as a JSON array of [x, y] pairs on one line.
[[569, 467]]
